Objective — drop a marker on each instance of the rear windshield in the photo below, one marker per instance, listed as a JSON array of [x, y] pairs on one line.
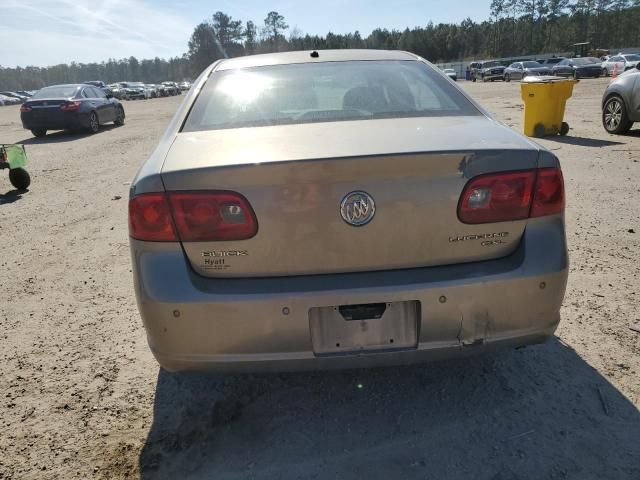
[[63, 91], [324, 92], [530, 64]]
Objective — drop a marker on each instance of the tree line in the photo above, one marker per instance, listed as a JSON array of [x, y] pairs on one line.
[[515, 28]]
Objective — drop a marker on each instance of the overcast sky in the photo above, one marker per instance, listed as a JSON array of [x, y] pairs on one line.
[[47, 32]]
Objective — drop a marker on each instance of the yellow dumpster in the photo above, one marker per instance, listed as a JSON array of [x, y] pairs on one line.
[[544, 101]]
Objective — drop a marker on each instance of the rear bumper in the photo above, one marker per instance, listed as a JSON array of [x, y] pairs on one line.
[[262, 324], [62, 121]]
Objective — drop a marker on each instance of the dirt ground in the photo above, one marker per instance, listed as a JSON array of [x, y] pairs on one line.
[[82, 397]]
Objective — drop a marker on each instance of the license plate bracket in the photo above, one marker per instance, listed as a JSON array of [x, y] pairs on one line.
[[362, 328]]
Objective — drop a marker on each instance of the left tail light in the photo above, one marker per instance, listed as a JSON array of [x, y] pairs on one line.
[[25, 108], [150, 218], [191, 217], [70, 106]]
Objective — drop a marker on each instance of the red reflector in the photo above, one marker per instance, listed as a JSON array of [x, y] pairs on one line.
[[549, 196], [70, 106], [150, 218], [25, 108], [211, 216], [497, 197]]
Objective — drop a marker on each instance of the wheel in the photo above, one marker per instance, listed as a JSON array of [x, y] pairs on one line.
[[507, 77], [39, 132], [539, 130], [473, 79], [94, 124], [19, 178], [483, 79], [614, 116], [605, 73], [576, 75], [119, 121], [564, 128]]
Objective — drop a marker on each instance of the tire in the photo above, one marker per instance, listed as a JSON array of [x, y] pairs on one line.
[[539, 130], [614, 116], [119, 121], [473, 79], [564, 128], [605, 73], [94, 123], [39, 132], [576, 75], [507, 77], [484, 80], [19, 178]]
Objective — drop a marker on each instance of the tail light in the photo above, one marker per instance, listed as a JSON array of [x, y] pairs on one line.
[[211, 216], [191, 217], [511, 196], [150, 218], [25, 108], [70, 106]]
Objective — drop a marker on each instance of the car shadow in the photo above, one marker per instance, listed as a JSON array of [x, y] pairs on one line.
[[582, 141], [539, 412], [11, 196], [64, 136]]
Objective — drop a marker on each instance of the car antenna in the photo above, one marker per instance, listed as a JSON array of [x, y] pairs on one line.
[[315, 54]]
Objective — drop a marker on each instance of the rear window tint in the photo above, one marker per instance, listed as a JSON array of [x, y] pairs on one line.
[[324, 92]]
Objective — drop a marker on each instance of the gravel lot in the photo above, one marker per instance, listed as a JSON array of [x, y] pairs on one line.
[[82, 396]]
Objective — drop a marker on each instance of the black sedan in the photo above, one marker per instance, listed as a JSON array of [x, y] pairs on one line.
[[68, 107], [578, 67], [519, 70]]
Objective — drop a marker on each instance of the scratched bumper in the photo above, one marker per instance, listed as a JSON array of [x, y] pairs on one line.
[[229, 325]]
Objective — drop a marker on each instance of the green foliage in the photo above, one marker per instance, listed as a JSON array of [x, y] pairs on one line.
[[516, 27]]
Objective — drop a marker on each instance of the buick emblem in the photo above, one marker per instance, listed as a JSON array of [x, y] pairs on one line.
[[357, 208]]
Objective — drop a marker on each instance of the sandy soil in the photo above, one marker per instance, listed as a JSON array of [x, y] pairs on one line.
[[82, 396]]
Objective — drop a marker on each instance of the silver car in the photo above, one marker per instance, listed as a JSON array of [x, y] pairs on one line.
[[340, 209], [519, 70], [621, 102]]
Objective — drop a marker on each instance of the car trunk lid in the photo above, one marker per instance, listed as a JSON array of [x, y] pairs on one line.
[[296, 178]]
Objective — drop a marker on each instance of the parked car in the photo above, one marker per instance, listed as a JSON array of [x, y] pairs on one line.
[[74, 106], [134, 91], [184, 86], [620, 102], [153, 90], [7, 100], [115, 89], [25, 93], [171, 87], [319, 221], [96, 83], [578, 68], [620, 63], [519, 70], [550, 62], [15, 95], [162, 90], [487, 71], [451, 73]]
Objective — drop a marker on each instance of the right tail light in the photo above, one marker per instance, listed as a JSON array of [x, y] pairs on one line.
[[508, 196]]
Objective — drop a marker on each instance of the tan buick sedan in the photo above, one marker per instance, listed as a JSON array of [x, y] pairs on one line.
[[340, 209]]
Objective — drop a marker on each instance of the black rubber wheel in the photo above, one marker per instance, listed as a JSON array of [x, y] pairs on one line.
[[539, 130], [564, 128], [614, 116], [19, 178], [119, 121], [473, 79], [507, 77], [94, 124], [39, 132]]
